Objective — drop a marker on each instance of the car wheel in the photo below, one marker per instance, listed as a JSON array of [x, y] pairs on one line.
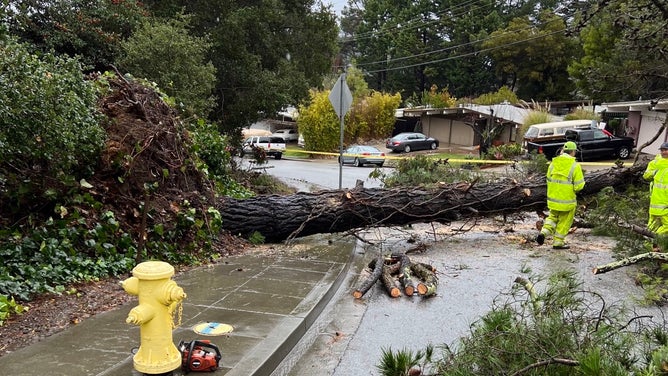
[[357, 163], [623, 152], [433, 146], [278, 155], [380, 164], [407, 148]]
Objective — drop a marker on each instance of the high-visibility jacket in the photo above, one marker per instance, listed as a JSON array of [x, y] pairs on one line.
[[564, 180], [657, 171]]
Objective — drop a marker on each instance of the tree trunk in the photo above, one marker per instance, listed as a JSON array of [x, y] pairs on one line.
[[280, 218]]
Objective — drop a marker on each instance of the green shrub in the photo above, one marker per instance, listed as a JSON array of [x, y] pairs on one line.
[[213, 151], [49, 124], [424, 171], [8, 306], [505, 151]]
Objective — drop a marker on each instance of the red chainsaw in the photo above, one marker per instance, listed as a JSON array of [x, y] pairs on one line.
[[199, 356]]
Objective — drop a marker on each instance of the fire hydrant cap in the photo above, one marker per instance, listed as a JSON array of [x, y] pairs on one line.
[[152, 270]]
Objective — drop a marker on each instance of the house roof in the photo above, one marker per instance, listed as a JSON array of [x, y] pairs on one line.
[[507, 112], [639, 105]]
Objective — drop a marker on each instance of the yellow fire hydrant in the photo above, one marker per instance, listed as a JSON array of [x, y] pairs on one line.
[[159, 296]]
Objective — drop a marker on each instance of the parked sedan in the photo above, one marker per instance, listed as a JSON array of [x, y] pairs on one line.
[[409, 141], [359, 155]]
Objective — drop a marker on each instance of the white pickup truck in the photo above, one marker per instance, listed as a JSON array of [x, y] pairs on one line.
[[273, 146]]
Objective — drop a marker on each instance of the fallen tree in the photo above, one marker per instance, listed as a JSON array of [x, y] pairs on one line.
[[280, 218]]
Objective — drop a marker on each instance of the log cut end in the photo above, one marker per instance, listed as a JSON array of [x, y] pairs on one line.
[[357, 294], [395, 292]]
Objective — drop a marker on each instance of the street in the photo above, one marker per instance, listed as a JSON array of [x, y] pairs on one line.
[[314, 175], [474, 268]]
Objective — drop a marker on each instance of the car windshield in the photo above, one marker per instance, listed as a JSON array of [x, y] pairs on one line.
[[531, 132]]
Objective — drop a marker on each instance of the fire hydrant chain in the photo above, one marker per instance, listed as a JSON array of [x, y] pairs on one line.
[[179, 317]]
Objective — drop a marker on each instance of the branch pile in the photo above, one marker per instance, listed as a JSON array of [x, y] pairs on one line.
[[399, 275]]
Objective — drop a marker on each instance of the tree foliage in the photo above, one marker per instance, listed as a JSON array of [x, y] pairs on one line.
[[164, 52], [90, 29], [266, 54], [625, 47], [49, 125], [532, 56], [504, 94], [562, 330], [318, 123], [370, 117], [438, 99]]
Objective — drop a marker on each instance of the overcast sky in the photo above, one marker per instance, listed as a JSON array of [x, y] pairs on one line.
[[337, 5]]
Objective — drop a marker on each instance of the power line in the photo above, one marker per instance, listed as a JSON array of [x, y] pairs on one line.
[[466, 54], [443, 49], [417, 22]]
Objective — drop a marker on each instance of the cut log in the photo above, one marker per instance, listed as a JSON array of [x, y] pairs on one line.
[[369, 282], [629, 261], [405, 273], [388, 280], [426, 266], [428, 279], [280, 218]]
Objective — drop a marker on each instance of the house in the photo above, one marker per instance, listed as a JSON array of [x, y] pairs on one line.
[[463, 125], [639, 119]]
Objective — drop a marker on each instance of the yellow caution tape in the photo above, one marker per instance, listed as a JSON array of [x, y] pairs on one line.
[[455, 160]]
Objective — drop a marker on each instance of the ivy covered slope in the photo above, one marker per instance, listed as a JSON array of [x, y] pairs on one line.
[[95, 176]]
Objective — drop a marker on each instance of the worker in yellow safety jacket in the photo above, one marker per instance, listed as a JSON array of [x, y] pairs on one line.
[[564, 180], [657, 173]]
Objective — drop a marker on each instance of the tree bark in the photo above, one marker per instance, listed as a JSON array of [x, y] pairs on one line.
[[280, 218], [405, 274], [428, 280], [371, 280], [388, 280]]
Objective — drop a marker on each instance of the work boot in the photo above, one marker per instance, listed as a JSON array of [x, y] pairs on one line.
[[560, 246], [540, 239]]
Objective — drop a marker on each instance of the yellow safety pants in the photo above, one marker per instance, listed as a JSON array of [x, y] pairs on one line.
[[658, 224], [558, 223]]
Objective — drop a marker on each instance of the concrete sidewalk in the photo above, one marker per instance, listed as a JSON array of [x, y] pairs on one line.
[[270, 300]]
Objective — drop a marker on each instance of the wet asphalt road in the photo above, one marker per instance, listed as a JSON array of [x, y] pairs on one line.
[[473, 269]]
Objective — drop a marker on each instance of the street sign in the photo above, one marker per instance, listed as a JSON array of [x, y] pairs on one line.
[[341, 97]]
